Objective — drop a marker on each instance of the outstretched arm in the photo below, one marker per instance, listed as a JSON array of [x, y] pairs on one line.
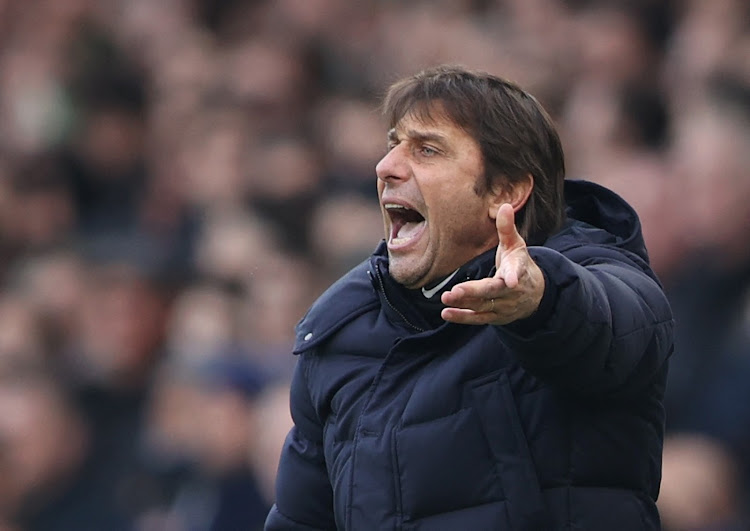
[[590, 319]]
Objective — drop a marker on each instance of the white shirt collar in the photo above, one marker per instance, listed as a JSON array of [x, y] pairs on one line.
[[428, 293]]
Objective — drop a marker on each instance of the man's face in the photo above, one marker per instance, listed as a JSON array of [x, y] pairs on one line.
[[434, 220]]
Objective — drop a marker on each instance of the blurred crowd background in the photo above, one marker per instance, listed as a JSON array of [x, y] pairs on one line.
[[180, 178]]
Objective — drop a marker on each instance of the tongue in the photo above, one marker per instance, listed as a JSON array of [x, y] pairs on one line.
[[408, 229]]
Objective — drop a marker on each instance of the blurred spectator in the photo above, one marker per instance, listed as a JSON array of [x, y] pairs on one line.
[[284, 181], [51, 480], [212, 482], [275, 301], [350, 132], [22, 344], [344, 228], [234, 244], [105, 151], [118, 339], [273, 422], [707, 391], [211, 157], [51, 281], [203, 321], [42, 205], [699, 487]]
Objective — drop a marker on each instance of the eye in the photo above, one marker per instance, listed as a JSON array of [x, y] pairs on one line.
[[428, 151]]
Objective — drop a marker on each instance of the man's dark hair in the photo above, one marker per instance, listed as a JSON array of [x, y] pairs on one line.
[[516, 136]]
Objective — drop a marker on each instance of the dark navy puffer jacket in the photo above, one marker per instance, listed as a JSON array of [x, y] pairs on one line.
[[553, 422]]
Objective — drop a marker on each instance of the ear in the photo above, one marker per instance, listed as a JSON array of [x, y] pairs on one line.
[[516, 194]]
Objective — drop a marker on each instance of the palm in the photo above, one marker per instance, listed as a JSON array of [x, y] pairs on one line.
[[513, 293]]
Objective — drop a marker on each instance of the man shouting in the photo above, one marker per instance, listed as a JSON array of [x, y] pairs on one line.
[[499, 362]]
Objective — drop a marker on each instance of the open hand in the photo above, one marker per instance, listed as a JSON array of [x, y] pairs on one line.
[[513, 293]]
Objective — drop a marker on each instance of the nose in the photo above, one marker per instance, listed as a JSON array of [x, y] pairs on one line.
[[393, 166]]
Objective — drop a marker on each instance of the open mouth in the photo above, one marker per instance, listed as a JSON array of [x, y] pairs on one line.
[[406, 224]]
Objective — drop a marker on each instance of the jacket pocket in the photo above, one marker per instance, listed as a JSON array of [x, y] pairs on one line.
[[443, 465], [492, 398]]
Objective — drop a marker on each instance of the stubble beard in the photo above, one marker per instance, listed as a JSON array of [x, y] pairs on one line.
[[408, 275]]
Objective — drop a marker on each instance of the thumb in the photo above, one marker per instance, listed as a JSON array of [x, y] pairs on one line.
[[509, 240], [508, 236]]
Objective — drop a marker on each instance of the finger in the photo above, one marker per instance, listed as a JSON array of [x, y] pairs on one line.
[[510, 269], [467, 293], [463, 316], [475, 305]]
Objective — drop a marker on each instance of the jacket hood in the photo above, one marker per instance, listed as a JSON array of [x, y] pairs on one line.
[[604, 216]]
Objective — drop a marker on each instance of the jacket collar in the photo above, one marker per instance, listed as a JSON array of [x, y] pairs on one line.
[[595, 216], [409, 307], [365, 288]]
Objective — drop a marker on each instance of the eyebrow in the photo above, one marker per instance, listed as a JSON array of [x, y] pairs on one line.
[[419, 136]]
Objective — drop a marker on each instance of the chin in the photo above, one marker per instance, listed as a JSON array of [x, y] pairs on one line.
[[409, 277]]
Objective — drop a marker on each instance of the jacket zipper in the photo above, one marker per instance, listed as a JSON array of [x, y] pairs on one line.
[[388, 301]]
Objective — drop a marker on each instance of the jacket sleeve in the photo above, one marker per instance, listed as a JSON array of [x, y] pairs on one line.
[[304, 498], [604, 325]]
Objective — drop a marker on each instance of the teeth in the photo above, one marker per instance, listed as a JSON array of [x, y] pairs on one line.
[[394, 205]]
